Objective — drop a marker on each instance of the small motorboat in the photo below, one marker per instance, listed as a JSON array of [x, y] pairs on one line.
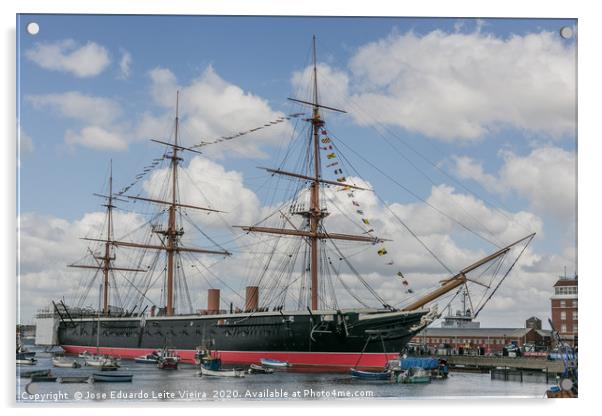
[[235, 372], [414, 376], [168, 360], [29, 374], [73, 379], [204, 358], [23, 353], [47, 378], [26, 361], [62, 362], [168, 363], [267, 362], [112, 377], [85, 354], [151, 358], [258, 369], [104, 363], [371, 375]]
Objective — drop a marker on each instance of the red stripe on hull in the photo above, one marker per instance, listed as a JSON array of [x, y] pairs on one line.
[[298, 359]]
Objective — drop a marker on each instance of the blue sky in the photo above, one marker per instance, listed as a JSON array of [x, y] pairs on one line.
[[259, 55]]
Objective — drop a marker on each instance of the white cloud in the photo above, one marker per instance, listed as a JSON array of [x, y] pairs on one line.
[[125, 64], [458, 86], [95, 137], [78, 106], [100, 118], [208, 184], [332, 82], [48, 244], [211, 107], [468, 168], [546, 177], [84, 61], [470, 84]]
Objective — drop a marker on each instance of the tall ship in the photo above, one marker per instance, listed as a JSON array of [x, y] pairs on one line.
[[290, 309]]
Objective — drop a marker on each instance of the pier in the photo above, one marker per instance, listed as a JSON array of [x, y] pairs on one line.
[[506, 368]]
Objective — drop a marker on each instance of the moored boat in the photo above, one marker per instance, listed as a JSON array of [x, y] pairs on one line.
[[73, 379], [24, 353], [151, 358], [370, 375], [268, 362], [29, 374], [205, 358], [414, 376], [435, 367], [26, 361], [105, 363], [62, 362], [47, 378], [234, 372], [112, 377], [258, 369], [168, 360]]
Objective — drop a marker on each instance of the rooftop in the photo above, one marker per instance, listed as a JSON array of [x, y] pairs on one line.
[[566, 282]]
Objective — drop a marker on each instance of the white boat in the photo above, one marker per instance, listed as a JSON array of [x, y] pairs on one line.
[[85, 354], [102, 362], [26, 361], [267, 362], [151, 358], [62, 362], [235, 372]]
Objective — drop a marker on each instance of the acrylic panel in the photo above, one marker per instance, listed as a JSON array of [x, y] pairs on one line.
[[295, 208]]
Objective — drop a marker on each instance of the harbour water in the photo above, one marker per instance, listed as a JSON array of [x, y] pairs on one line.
[[151, 384]]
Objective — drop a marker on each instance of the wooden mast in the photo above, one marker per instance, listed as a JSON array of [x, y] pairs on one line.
[[460, 278], [107, 257], [315, 214], [170, 242], [314, 202], [104, 262], [172, 233]]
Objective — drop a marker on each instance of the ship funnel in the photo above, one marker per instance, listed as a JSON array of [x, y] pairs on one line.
[[213, 301], [252, 299]]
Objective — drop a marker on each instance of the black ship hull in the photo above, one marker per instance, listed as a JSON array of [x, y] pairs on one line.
[[323, 338]]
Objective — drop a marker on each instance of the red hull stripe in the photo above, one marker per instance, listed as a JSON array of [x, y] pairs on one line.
[[309, 359]]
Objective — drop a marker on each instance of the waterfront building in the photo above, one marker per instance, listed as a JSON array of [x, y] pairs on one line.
[[533, 322], [564, 309], [478, 341]]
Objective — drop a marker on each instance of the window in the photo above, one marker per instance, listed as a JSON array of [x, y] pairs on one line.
[[566, 290], [574, 315], [563, 328], [562, 304], [563, 316]]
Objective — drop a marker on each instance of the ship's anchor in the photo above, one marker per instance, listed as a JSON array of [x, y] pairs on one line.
[[319, 329]]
